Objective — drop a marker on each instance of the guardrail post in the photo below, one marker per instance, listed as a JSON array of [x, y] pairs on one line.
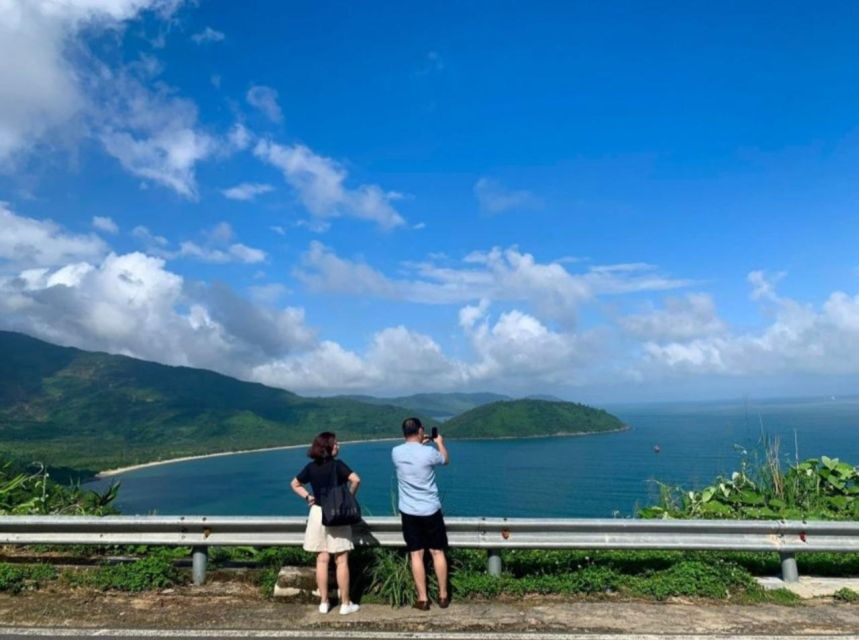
[[199, 558], [493, 563], [789, 570]]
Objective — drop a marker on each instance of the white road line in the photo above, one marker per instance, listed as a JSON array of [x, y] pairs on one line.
[[46, 632]]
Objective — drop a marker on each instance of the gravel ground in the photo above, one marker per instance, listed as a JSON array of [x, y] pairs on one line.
[[238, 606]]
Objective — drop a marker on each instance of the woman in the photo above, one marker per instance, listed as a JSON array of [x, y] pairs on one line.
[[318, 538]]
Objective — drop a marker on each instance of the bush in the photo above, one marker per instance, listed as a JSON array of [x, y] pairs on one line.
[[264, 556], [390, 577], [266, 581], [846, 595], [814, 489], [14, 578], [146, 574], [693, 578]]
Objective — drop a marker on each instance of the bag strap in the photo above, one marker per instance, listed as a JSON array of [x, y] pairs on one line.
[[333, 472]]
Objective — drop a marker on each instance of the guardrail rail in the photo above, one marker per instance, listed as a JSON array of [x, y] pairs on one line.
[[494, 534]]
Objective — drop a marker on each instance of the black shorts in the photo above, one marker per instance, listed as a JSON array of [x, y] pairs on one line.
[[424, 532]]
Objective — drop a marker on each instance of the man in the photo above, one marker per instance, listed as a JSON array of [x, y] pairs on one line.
[[420, 508]]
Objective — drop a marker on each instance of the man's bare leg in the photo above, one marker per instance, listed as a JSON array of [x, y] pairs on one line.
[[439, 563], [419, 574]]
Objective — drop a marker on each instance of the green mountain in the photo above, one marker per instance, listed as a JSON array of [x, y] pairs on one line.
[[64, 406], [522, 418], [438, 405]]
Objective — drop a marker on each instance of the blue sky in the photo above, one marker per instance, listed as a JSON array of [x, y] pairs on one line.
[[604, 201]]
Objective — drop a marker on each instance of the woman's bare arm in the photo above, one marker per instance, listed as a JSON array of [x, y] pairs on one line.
[[301, 492], [354, 480]]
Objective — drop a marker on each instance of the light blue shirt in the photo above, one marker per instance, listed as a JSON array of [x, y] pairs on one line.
[[415, 464]]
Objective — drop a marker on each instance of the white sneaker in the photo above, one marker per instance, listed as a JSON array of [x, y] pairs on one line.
[[346, 609], [324, 607]]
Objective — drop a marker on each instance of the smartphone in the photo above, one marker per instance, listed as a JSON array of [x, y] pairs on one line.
[[434, 433]]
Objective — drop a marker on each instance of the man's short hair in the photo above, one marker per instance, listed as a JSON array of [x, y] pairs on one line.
[[411, 426]]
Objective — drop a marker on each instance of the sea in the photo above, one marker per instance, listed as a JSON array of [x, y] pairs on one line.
[[606, 475]]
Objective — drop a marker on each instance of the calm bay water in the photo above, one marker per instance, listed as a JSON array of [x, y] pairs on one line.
[[587, 476]]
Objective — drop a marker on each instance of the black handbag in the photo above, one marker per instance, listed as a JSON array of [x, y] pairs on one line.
[[339, 506]]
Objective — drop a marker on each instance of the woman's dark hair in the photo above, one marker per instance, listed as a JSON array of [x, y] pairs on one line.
[[322, 447]]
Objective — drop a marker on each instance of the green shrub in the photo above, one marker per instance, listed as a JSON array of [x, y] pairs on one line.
[[390, 577], [481, 584], [846, 595], [759, 595], [692, 578], [264, 556], [814, 489], [266, 581], [14, 578], [146, 574]]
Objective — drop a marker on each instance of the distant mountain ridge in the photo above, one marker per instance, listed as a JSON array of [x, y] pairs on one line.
[[437, 405], [79, 409], [64, 406]]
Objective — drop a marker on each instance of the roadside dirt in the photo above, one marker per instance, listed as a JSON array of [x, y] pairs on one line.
[[234, 605]]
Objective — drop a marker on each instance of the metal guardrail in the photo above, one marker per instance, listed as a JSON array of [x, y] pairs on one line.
[[199, 532]]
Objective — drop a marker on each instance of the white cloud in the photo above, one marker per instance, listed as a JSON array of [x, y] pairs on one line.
[[106, 224], [693, 316], [246, 191], [799, 340], [46, 99], [27, 242], [265, 99], [519, 346], [494, 198], [208, 35], [516, 352], [268, 294], [326, 271], [320, 185], [154, 134], [500, 275], [240, 137], [236, 252], [150, 240], [217, 248], [131, 304]]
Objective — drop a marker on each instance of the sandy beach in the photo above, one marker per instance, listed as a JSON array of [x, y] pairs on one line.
[[114, 472]]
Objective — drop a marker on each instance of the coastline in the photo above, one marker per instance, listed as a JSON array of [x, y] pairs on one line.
[[559, 434], [107, 473]]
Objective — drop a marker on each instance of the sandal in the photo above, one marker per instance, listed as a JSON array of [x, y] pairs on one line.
[[423, 605]]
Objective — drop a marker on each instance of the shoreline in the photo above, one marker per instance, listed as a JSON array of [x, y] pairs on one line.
[[107, 473]]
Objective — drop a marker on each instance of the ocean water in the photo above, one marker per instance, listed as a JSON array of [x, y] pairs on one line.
[[585, 476]]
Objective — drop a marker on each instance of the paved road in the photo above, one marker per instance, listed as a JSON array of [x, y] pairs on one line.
[[179, 634]]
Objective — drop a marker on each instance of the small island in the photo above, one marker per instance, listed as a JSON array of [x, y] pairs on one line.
[[531, 418]]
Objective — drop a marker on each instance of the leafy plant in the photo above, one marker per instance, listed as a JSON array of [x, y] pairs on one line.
[[25, 491], [391, 578], [814, 489], [14, 578], [846, 595], [152, 572]]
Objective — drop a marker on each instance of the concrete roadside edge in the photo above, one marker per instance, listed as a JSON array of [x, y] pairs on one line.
[[55, 632]]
